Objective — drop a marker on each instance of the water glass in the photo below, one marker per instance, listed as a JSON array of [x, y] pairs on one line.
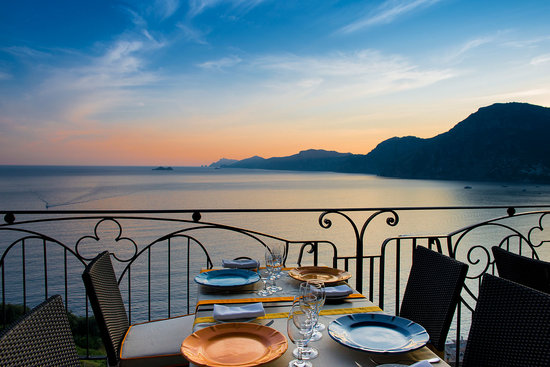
[[264, 276], [278, 251], [307, 301], [299, 329], [273, 262], [318, 288], [312, 295]]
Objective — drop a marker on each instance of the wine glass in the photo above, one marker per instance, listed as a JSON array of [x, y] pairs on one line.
[[278, 251], [272, 262], [264, 276], [308, 301], [299, 329], [318, 288]]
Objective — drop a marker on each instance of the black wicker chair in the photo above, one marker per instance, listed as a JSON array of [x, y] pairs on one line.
[[523, 270], [510, 326], [155, 343], [42, 337], [433, 292]]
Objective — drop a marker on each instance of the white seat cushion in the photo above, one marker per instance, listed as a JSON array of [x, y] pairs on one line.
[[156, 343]]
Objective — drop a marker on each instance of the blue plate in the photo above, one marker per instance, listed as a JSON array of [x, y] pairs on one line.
[[378, 333], [227, 277]]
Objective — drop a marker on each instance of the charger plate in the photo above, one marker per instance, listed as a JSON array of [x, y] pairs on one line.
[[322, 273], [378, 333], [227, 277], [234, 344]]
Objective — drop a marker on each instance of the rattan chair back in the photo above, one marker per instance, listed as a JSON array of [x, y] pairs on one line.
[[510, 326], [433, 292], [42, 337], [106, 301], [521, 269]]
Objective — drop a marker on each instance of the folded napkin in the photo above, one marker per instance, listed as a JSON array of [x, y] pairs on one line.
[[247, 311], [240, 264], [421, 364], [338, 291]]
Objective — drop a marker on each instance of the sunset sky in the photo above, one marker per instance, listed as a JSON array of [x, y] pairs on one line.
[[174, 82]]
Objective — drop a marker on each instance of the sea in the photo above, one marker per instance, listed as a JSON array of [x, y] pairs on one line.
[[135, 188], [56, 188]]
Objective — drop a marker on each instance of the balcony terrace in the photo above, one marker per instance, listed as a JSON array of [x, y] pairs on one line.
[[158, 253]]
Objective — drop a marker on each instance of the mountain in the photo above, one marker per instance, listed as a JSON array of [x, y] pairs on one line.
[[504, 142], [306, 160], [501, 142], [223, 162]]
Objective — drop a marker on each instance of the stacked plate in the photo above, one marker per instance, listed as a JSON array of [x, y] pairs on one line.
[[227, 278]]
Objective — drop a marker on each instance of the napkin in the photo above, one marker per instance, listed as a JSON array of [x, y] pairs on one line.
[[247, 311], [338, 291], [240, 264], [421, 364]]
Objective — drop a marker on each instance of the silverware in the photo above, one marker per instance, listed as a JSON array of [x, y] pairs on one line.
[[429, 360]]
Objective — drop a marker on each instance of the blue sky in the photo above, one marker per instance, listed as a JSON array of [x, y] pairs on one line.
[[188, 82]]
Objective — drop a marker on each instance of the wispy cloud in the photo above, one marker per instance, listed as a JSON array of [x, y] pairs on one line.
[[121, 57], [529, 42], [459, 52], [541, 59], [93, 86], [350, 75], [197, 7], [166, 8], [223, 63], [517, 95], [26, 52], [197, 34], [386, 13], [192, 34], [141, 24]]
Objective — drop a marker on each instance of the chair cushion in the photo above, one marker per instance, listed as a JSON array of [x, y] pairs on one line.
[[156, 343]]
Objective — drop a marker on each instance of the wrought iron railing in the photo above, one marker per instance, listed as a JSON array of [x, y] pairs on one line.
[[157, 253]]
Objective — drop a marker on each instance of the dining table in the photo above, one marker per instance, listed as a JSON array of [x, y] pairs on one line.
[[277, 306]]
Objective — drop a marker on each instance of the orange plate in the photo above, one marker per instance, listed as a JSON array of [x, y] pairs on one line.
[[236, 344], [323, 273]]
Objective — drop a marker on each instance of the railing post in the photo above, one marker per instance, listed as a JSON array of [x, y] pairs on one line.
[[359, 261]]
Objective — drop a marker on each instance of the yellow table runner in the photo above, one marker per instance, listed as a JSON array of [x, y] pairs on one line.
[[282, 315]]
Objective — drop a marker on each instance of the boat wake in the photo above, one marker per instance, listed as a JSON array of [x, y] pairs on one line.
[[96, 194]]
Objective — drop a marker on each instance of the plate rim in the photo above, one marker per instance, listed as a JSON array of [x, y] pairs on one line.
[[253, 277], [236, 326], [345, 274], [379, 315]]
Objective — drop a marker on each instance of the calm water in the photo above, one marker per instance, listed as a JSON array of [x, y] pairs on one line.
[[103, 188], [194, 187]]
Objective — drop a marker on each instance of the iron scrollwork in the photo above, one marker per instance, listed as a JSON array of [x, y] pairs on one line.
[[118, 239], [392, 220]]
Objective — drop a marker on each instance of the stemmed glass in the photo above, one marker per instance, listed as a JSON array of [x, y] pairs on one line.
[[273, 262], [318, 288], [299, 329], [264, 276], [311, 296], [278, 250], [313, 291]]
